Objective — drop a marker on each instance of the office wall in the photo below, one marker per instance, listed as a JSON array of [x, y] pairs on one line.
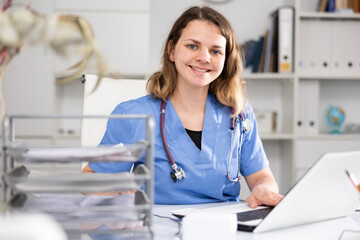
[[28, 85]]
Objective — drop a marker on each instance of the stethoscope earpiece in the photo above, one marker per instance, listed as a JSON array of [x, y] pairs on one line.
[[247, 124]]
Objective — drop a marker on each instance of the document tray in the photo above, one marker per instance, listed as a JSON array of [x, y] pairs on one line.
[[119, 153], [23, 181]]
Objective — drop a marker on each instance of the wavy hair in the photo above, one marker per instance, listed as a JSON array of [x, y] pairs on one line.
[[229, 87]]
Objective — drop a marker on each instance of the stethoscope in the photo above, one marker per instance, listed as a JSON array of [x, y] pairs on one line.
[[178, 173]]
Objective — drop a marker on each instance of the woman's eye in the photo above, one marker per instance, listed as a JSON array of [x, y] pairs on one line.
[[216, 52], [192, 46]]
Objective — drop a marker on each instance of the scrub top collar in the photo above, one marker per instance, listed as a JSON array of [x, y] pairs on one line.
[[177, 136]]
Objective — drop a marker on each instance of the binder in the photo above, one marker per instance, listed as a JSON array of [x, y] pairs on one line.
[[304, 48], [351, 39], [300, 122], [322, 54], [338, 49], [312, 107], [286, 39], [308, 105]]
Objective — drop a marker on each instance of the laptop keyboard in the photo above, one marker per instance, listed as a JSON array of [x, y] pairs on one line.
[[253, 214]]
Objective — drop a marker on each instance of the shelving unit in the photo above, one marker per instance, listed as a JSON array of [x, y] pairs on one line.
[[88, 203], [331, 41], [291, 150]]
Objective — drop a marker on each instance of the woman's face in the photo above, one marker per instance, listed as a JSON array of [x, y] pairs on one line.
[[199, 55]]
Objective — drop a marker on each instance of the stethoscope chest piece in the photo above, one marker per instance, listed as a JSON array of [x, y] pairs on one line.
[[177, 173]]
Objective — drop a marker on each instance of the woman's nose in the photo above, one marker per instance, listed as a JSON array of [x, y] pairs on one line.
[[203, 56]]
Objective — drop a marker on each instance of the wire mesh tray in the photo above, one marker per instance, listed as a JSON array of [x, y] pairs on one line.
[[86, 207], [126, 231], [22, 153], [20, 179], [122, 215]]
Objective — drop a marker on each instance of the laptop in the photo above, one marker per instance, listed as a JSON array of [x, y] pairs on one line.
[[324, 192]]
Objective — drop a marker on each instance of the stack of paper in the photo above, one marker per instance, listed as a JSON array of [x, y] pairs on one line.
[[90, 154]]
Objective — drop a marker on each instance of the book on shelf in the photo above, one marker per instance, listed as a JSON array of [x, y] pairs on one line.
[[263, 53], [273, 52], [252, 50], [269, 44], [258, 54], [249, 49], [342, 6], [323, 5], [354, 5], [331, 6]]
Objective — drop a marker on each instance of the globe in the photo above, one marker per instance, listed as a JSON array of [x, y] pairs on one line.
[[334, 117]]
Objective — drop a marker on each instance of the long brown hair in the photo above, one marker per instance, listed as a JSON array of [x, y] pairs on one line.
[[229, 87]]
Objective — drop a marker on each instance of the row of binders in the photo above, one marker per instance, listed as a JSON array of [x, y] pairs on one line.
[[329, 48], [273, 52]]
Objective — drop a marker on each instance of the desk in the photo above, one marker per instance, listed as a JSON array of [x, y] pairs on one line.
[[165, 228]]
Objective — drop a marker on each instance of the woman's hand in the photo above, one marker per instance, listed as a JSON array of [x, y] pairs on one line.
[[264, 189], [261, 194]]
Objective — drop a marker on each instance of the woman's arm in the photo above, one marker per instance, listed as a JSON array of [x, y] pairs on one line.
[[264, 189], [87, 169]]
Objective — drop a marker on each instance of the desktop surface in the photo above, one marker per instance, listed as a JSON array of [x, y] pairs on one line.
[[167, 227]]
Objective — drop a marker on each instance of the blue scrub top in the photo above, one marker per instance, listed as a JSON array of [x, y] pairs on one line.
[[206, 170]]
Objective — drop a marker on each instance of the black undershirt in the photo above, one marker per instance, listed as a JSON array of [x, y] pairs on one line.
[[195, 137]]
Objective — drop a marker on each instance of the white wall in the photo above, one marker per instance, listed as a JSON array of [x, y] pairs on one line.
[[28, 83]]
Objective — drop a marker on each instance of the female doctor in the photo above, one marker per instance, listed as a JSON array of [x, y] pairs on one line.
[[198, 94]]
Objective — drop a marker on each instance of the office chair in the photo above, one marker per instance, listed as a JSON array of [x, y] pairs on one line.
[[102, 101]]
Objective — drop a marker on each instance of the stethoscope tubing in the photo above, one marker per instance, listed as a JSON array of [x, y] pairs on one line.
[[242, 132], [232, 128], [162, 131]]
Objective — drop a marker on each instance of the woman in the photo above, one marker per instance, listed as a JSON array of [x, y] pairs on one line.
[[201, 88]]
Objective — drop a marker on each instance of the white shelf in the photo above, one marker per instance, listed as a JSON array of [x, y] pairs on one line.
[[264, 76], [334, 16], [331, 77], [332, 137], [276, 136]]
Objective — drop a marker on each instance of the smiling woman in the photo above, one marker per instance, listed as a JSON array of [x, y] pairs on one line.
[[199, 55], [198, 89]]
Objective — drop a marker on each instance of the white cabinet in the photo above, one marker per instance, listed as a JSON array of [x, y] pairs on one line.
[[327, 70], [327, 73]]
